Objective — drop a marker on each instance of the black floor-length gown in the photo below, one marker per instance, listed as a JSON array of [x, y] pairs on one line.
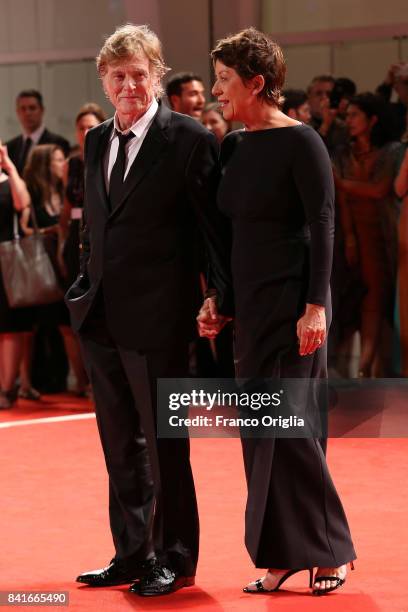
[[277, 189]]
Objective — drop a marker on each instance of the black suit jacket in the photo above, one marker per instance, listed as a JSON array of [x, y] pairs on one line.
[[15, 146], [144, 252]]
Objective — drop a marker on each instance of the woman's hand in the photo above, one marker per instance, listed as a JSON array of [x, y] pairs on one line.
[[5, 161], [210, 322], [50, 230], [311, 329]]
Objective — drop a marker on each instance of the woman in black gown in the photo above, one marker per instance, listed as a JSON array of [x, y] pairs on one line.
[[277, 189]]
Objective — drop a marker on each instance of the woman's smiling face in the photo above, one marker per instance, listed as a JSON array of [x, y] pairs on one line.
[[234, 96]]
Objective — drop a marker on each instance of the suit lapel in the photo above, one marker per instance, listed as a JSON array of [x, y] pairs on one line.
[[99, 161], [153, 146], [44, 137]]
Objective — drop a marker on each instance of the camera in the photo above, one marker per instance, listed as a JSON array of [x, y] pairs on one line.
[[343, 88]]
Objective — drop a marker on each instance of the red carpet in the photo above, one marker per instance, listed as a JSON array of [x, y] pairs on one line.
[[48, 406], [55, 521]]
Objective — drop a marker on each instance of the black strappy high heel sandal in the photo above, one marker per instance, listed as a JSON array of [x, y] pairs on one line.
[[261, 590], [339, 583]]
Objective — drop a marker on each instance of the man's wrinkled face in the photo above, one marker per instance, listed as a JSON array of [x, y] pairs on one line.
[[30, 113], [130, 86]]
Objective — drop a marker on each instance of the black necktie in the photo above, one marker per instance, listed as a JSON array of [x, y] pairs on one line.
[[118, 171], [24, 154]]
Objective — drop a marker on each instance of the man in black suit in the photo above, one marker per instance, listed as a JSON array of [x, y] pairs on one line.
[[151, 178], [30, 113]]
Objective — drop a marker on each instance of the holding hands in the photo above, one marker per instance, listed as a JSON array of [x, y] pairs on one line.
[[210, 322], [311, 327]]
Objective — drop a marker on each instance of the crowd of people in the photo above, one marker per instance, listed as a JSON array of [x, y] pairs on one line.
[[366, 135]]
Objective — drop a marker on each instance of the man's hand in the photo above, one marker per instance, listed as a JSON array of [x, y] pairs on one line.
[[210, 322], [311, 329], [390, 76], [328, 116]]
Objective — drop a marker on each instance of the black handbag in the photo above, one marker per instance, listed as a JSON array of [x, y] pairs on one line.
[[28, 275]]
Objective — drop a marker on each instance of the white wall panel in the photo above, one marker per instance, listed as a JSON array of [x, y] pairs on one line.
[[366, 62], [61, 31], [4, 26], [304, 62], [86, 23], [23, 25], [7, 115], [12, 80], [57, 24], [185, 35], [65, 90], [67, 86], [309, 15]]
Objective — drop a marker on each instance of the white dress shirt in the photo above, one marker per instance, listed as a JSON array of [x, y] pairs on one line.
[[35, 136], [132, 148]]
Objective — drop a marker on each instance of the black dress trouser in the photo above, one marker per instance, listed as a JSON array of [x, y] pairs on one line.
[[152, 502]]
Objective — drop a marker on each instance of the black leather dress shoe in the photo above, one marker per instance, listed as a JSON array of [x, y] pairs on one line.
[[160, 581], [117, 572]]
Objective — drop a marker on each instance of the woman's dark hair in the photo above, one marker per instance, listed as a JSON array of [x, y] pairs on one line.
[[37, 173], [374, 106], [251, 52], [91, 108]]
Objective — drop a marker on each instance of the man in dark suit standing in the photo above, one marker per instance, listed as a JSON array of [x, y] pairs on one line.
[[30, 113], [151, 178]]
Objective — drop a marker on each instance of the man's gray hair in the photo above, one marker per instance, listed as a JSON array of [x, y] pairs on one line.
[[125, 42]]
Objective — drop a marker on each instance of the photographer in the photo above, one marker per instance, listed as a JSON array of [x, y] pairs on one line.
[[397, 80], [324, 116]]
